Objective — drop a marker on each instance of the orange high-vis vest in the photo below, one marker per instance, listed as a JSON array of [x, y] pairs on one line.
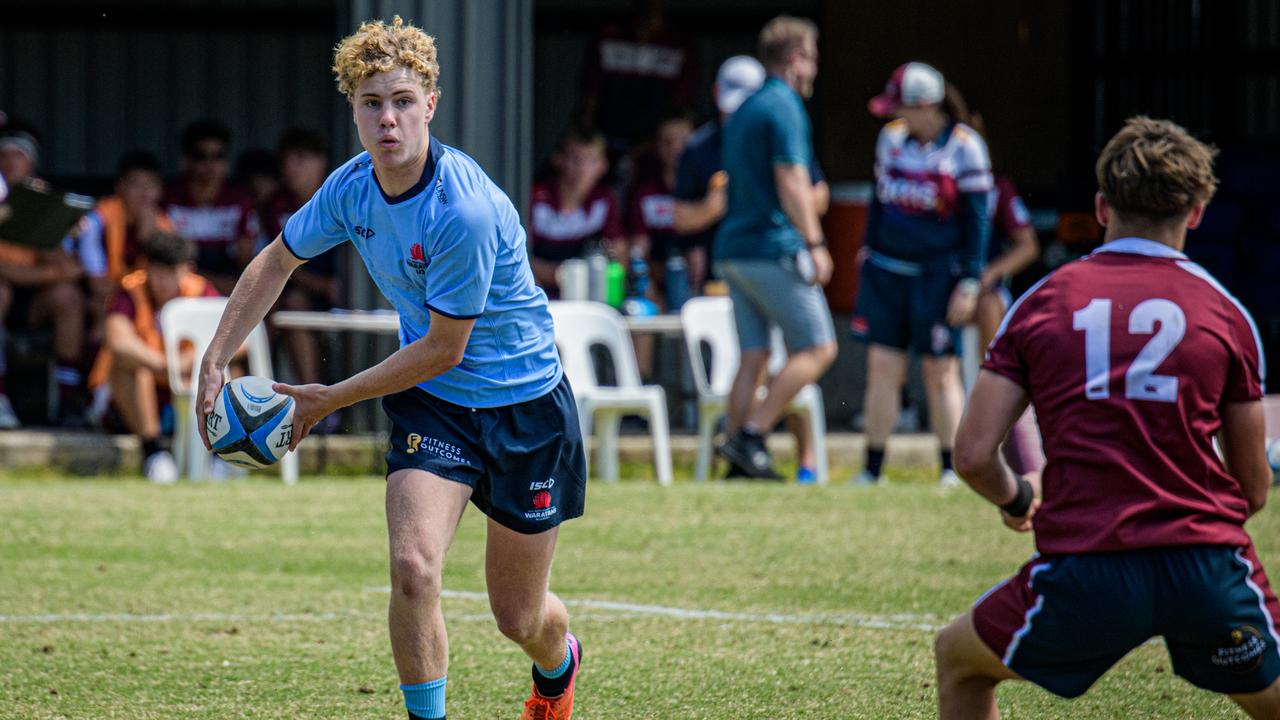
[[115, 230], [144, 320]]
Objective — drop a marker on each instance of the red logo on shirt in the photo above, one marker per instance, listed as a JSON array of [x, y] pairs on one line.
[[417, 259], [542, 500]]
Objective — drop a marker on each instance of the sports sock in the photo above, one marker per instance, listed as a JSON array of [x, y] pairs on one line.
[[425, 701], [945, 455], [68, 382], [750, 431], [875, 459], [150, 446], [552, 682]]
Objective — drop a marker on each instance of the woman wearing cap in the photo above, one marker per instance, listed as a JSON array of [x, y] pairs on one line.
[[927, 232]]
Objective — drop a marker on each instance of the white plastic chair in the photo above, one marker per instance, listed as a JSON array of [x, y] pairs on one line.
[[195, 320], [580, 326], [709, 320]]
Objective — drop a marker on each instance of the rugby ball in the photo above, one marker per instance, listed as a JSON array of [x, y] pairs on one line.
[[251, 425]]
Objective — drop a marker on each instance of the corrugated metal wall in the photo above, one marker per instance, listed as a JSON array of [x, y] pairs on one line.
[[97, 90], [485, 50]]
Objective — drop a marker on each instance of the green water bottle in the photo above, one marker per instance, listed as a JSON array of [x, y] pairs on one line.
[[615, 283]]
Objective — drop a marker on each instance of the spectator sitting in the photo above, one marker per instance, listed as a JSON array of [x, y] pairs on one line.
[[304, 163], [216, 216], [132, 363], [40, 289], [572, 208], [109, 241], [650, 214], [258, 173]]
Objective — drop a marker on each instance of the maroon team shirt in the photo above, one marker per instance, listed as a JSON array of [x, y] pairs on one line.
[[556, 235], [229, 218], [1128, 355]]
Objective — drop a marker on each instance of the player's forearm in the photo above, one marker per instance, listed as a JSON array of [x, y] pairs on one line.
[[256, 291], [690, 216], [795, 193], [1243, 440], [1024, 251], [987, 475], [975, 231], [410, 365]]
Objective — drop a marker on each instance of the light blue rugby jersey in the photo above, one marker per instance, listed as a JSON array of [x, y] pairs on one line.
[[452, 244]]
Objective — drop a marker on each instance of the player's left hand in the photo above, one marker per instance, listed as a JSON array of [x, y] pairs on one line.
[[1021, 524], [311, 404], [822, 265], [962, 306]]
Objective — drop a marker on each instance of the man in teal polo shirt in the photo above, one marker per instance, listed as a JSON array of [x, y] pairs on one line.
[[770, 247]]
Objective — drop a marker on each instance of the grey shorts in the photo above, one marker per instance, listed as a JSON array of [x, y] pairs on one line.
[[773, 292]]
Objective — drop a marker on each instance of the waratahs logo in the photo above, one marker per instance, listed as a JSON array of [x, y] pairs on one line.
[[417, 259], [541, 500]]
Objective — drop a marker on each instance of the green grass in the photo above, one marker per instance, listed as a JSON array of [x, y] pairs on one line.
[[242, 552]]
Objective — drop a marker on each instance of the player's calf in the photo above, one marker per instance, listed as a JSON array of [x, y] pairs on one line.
[[968, 672]]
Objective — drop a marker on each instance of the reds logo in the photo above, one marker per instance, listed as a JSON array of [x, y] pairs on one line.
[[417, 259], [542, 500]]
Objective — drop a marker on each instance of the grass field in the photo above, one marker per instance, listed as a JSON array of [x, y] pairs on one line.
[[250, 599]]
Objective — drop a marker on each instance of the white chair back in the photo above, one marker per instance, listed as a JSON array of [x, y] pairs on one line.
[[195, 320], [581, 325], [709, 320]]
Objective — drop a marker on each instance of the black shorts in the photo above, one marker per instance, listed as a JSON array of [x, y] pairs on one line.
[[1063, 621], [525, 463], [906, 312]]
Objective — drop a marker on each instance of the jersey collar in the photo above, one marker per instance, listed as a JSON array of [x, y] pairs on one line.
[[1141, 246], [434, 152]]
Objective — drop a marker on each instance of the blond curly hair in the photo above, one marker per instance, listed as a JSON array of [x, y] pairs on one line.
[[1155, 169], [378, 47]]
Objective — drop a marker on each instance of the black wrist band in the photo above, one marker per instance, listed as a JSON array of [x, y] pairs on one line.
[[1021, 503], [821, 243]]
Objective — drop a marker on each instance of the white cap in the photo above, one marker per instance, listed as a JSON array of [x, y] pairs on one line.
[[912, 85], [738, 78]]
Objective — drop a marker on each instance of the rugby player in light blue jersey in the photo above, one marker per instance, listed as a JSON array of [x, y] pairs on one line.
[[479, 406]]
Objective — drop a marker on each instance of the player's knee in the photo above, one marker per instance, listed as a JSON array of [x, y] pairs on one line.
[[948, 652], [518, 624], [414, 575]]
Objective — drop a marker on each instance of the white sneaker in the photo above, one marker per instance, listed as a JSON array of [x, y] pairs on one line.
[[866, 479], [160, 468], [8, 418], [949, 479], [220, 470]]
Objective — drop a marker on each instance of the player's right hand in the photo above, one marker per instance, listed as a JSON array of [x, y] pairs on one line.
[[211, 380], [1021, 524]]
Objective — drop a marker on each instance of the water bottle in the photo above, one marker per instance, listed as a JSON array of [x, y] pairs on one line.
[[597, 267], [639, 271], [637, 302], [676, 290], [615, 283]]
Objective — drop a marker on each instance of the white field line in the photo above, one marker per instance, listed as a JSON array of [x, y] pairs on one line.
[[604, 610], [896, 621]]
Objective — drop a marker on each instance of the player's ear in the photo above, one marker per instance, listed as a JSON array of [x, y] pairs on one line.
[[1196, 215], [431, 106], [1101, 210]]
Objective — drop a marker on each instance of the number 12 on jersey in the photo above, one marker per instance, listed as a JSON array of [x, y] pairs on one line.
[[1140, 381]]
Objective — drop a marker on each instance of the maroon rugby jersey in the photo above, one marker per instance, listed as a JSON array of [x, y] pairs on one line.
[[229, 218], [1128, 355], [557, 235]]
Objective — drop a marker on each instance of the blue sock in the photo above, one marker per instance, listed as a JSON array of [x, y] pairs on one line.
[[425, 700], [552, 682]]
